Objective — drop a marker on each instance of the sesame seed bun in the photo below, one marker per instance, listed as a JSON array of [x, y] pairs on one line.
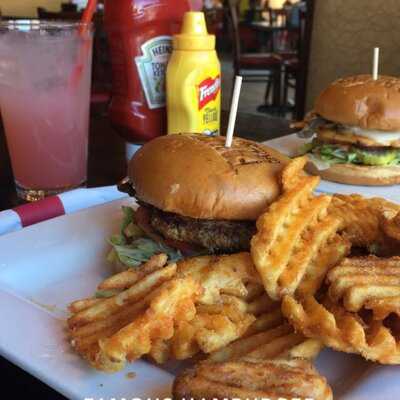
[[361, 101]]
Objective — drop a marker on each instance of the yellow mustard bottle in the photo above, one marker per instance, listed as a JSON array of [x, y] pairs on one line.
[[193, 82]]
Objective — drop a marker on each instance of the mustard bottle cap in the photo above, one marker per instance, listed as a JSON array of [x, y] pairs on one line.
[[194, 35]]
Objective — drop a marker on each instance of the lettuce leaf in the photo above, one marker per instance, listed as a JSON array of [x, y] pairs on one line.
[[131, 247], [306, 148], [331, 154], [128, 217], [317, 161], [140, 250]]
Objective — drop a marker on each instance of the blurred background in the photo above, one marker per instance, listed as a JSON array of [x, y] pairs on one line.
[[286, 50], [261, 40]]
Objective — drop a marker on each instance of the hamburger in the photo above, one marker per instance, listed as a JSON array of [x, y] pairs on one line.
[[356, 129], [196, 196]]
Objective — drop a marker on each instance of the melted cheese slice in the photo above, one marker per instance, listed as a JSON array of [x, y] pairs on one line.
[[381, 137]]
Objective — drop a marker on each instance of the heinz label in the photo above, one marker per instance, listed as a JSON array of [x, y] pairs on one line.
[[152, 67]]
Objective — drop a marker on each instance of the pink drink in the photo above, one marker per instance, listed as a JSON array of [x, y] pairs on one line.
[[44, 106]]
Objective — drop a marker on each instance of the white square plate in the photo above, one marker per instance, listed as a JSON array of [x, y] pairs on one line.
[[46, 266]]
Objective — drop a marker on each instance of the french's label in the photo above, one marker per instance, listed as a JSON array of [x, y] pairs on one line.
[[208, 90], [208, 102], [152, 66]]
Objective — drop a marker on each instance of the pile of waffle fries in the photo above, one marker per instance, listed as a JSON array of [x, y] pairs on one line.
[[303, 286]]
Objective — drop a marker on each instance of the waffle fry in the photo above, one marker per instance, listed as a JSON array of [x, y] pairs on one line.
[[127, 278], [252, 379], [391, 225], [254, 290], [173, 301], [214, 331], [261, 304], [121, 281], [230, 306], [132, 295], [382, 308], [83, 304], [360, 222], [383, 205], [294, 173], [220, 275], [223, 311], [107, 316], [269, 336], [99, 326], [342, 330], [217, 325], [330, 255], [160, 351], [213, 327], [361, 218], [223, 314], [292, 234], [184, 344], [366, 282]]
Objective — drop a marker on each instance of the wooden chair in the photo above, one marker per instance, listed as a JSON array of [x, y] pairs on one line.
[[254, 67]]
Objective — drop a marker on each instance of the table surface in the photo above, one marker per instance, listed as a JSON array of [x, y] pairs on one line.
[[106, 166]]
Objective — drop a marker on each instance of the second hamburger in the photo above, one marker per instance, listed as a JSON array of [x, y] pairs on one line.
[[357, 125]]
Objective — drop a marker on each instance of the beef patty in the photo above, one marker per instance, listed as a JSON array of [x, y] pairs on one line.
[[217, 236]]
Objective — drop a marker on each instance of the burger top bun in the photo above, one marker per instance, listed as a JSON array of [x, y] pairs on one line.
[[196, 176], [361, 101]]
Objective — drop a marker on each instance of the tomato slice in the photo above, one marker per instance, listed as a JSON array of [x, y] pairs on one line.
[[187, 249], [142, 219], [142, 216]]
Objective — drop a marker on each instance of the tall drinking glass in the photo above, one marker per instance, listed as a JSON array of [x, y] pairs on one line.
[[45, 71]]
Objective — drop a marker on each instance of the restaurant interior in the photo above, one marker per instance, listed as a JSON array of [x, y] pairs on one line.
[[264, 41]]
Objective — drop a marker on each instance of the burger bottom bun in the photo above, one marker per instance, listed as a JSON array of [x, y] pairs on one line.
[[351, 174]]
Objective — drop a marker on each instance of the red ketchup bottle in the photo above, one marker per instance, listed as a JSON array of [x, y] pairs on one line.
[[140, 41]]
